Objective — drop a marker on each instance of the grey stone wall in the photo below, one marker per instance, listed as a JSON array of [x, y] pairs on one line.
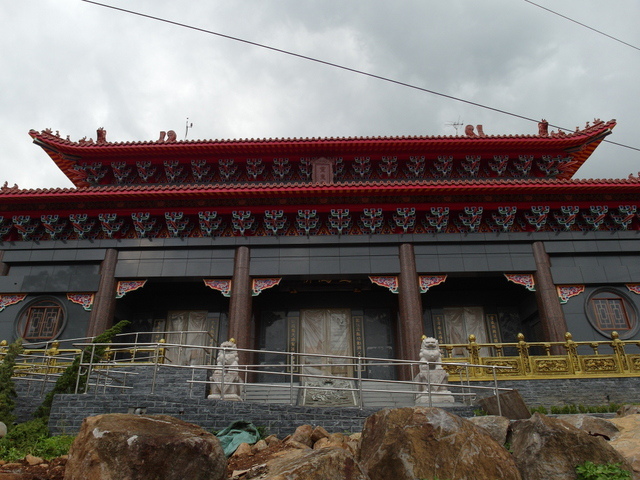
[[69, 410], [585, 391]]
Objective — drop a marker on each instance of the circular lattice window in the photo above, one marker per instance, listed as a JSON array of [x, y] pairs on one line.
[[41, 320], [610, 311]]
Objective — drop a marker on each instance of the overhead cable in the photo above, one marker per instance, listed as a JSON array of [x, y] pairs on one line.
[[583, 25], [335, 65]]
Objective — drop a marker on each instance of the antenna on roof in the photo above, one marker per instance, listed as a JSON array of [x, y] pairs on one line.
[[455, 125], [189, 125]]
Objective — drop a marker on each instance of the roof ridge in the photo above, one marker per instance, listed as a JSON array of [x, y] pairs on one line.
[[169, 138]]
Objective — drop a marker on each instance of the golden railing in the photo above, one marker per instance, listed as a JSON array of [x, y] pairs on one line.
[[52, 359], [526, 360], [543, 360]]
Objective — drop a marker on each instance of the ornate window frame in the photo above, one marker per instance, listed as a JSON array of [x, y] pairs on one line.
[[40, 303], [628, 308]]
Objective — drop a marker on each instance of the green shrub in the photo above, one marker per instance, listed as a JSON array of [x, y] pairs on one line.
[[606, 471], [32, 438], [66, 383], [541, 409], [572, 409], [7, 387]]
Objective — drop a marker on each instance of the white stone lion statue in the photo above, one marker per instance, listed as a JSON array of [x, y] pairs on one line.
[[432, 377], [229, 385]]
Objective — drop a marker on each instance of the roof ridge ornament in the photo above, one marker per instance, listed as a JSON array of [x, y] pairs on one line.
[[543, 128], [101, 135], [170, 136]]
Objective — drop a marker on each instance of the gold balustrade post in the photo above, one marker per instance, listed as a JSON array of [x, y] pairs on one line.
[[161, 351], [572, 352], [618, 350], [3, 349], [523, 352], [474, 355]]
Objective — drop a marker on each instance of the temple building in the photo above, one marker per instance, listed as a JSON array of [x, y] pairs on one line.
[[338, 246]]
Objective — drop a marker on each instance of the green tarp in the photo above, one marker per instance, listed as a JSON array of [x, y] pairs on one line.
[[237, 433]]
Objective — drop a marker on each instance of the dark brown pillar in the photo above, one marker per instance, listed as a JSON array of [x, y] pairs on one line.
[[4, 268], [240, 304], [104, 305], [410, 306], [552, 319]]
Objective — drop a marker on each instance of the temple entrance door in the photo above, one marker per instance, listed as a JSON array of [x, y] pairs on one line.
[[464, 321], [189, 329], [326, 332]]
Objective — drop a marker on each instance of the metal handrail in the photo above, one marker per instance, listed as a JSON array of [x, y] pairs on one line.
[[296, 370]]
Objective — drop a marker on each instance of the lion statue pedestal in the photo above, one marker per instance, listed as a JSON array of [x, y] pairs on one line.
[[432, 377], [229, 385]]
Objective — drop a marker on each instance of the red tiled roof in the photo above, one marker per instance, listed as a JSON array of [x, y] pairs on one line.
[[579, 144]]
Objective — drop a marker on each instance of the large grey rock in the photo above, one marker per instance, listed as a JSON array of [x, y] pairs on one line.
[[140, 447], [598, 427], [3, 430], [324, 464], [495, 426], [545, 448], [627, 442], [420, 442]]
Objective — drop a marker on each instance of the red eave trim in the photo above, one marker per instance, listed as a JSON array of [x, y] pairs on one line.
[[292, 191]]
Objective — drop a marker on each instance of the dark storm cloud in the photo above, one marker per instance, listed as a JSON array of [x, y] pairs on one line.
[[73, 67]]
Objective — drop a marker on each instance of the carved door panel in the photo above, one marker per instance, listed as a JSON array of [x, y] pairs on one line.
[[326, 332], [189, 329], [460, 322]]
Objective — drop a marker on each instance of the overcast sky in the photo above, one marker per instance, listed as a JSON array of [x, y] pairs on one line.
[[73, 67]]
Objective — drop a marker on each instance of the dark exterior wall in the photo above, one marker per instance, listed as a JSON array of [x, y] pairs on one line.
[[143, 263], [75, 324], [52, 277], [577, 314], [474, 257], [590, 258], [324, 260], [609, 262]]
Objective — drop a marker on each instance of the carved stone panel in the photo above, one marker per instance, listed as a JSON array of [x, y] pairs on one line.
[[322, 171]]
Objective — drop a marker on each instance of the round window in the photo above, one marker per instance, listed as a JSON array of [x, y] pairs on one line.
[[608, 311], [41, 320]]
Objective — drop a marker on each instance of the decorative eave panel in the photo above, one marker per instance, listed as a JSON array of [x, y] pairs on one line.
[[330, 220]]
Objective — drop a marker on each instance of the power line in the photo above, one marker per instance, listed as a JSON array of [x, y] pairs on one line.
[[583, 25], [335, 65]]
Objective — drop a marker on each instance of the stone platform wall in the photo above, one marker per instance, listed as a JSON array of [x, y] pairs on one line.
[[559, 392]]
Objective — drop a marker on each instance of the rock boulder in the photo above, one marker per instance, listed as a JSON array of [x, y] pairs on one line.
[[627, 442], [421, 442], [495, 425], [140, 447], [598, 427], [324, 464], [545, 448]]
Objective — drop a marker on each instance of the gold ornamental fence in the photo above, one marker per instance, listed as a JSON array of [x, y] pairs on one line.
[[524, 360], [544, 360]]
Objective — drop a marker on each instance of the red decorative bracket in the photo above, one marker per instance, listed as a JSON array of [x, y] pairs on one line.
[[222, 285], [427, 281], [565, 292], [634, 287], [11, 299], [126, 286], [524, 279], [84, 299], [387, 282], [260, 284]]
